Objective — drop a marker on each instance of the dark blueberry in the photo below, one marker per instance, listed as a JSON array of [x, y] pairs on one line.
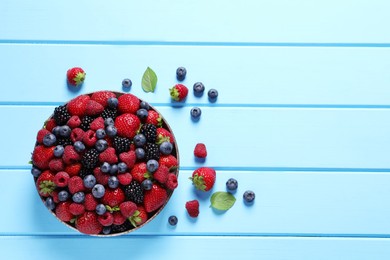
[[49, 203], [213, 94], [198, 89], [98, 191], [65, 131], [114, 169], [126, 83], [49, 140], [195, 112], [112, 102], [100, 209], [101, 145], [35, 172], [59, 151], [181, 73], [139, 140], [89, 181], [106, 230], [78, 197], [166, 148], [108, 121], [249, 196], [63, 195], [231, 184], [106, 167], [147, 184], [122, 167], [100, 133], [142, 114], [113, 182], [140, 153], [79, 146], [152, 165], [172, 220], [56, 130], [144, 105], [111, 130]]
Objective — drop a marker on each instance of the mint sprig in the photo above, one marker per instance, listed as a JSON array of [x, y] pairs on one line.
[[222, 200], [149, 80]]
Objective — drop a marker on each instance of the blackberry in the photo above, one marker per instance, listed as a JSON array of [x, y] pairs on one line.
[[121, 144], [109, 112], [134, 192], [90, 158], [64, 141], [85, 122], [84, 172], [61, 115], [121, 228], [150, 132], [152, 151]]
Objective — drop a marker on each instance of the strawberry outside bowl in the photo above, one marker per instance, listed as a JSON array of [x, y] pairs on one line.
[[105, 163]]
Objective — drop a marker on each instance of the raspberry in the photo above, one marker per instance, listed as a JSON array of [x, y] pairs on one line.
[[77, 134], [74, 122], [90, 202], [106, 219], [61, 179], [75, 184], [127, 208], [193, 208], [171, 181], [56, 165], [161, 175], [200, 150], [76, 208], [125, 178]]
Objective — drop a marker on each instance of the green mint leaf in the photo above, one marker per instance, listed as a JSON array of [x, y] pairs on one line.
[[222, 200], [149, 80]]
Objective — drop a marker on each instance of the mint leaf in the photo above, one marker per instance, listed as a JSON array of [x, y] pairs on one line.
[[222, 200], [149, 80]]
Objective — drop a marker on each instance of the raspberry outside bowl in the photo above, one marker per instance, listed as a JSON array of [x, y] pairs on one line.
[[105, 177]]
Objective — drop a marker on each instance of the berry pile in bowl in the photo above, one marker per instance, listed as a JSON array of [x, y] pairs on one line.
[[105, 163]]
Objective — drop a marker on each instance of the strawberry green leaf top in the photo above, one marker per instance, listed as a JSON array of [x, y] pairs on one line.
[[222, 200], [149, 80], [75, 76]]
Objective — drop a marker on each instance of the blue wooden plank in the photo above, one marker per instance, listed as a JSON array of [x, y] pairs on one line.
[[257, 76], [322, 21]]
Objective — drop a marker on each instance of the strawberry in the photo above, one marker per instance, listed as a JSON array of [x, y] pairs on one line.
[[61, 179], [138, 172], [90, 202], [78, 105], [62, 211], [108, 155], [97, 123], [139, 217], [73, 169], [203, 178], [168, 160], [76, 208], [200, 150], [75, 76], [75, 184], [124, 178], [154, 118], [41, 134], [128, 158], [50, 124], [77, 134], [163, 135], [127, 125], [93, 108], [70, 155], [113, 197], [178, 92], [161, 174], [154, 198], [45, 183], [42, 155], [101, 177], [107, 219], [56, 165], [74, 122], [127, 208], [119, 219], [89, 138], [88, 223], [102, 96], [128, 103], [171, 182], [193, 208]]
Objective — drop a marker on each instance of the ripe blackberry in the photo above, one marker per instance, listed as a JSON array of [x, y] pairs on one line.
[[134, 192], [121, 144], [84, 172], [85, 122], [64, 141], [121, 228], [61, 115], [90, 158], [150, 132], [152, 151], [109, 112]]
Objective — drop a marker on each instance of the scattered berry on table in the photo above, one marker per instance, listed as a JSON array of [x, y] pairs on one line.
[[75, 76], [79, 146], [63, 195], [172, 220], [178, 92], [100, 133], [89, 181], [200, 150], [192, 208], [198, 89], [98, 191], [105, 167], [140, 153], [195, 112], [78, 197], [231, 184], [203, 178], [112, 102], [249, 196], [113, 182], [101, 145], [213, 94], [166, 148], [111, 130], [152, 165], [126, 83], [134, 192], [49, 203], [181, 73], [147, 184], [100, 209]]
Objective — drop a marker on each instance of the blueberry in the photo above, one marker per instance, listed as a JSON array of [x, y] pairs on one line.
[[111, 130], [231, 184], [144, 105], [152, 165], [106, 167], [78, 197], [65, 131], [100, 133], [139, 140], [181, 73], [113, 182], [114, 169], [56, 130], [49, 140], [249, 196], [106, 230], [147, 184], [126, 83], [100, 209], [172, 220], [101, 145], [35, 172], [89, 181], [108, 121], [63, 195], [122, 167], [140, 153], [49, 203], [98, 191], [198, 88], [58, 151], [195, 112], [166, 148], [142, 113], [213, 94], [79, 146], [112, 102]]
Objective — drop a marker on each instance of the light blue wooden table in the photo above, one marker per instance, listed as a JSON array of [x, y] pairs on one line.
[[303, 119]]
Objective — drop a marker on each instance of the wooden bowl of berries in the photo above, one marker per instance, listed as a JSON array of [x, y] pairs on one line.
[[105, 163]]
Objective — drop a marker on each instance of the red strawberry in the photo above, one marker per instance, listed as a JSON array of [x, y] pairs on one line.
[[78, 105], [56, 165], [127, 208], [203, 178], [62, 211], [128, 103], [41, 134], [108, 155], [107, 219], [88, 223], [74, 122], [119, 219], [154, 198], [73, 169], [42, 156], [163, 135], [75, 184], [124, 178], [102, 96], [171, 181], [192, 208], [96, 124], [90, 202], [75, 76], [89, 138], [61, 179], [113, 197], [154, 118], [127, 125], [70, 155], [77, 134], [45, 183], [101, 177], [50, 124], [138, 172], [139, 217], [178, 92], [200, 150], [168, 160], [128, 158], [93, 108], [76, 208], [161, 174]]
